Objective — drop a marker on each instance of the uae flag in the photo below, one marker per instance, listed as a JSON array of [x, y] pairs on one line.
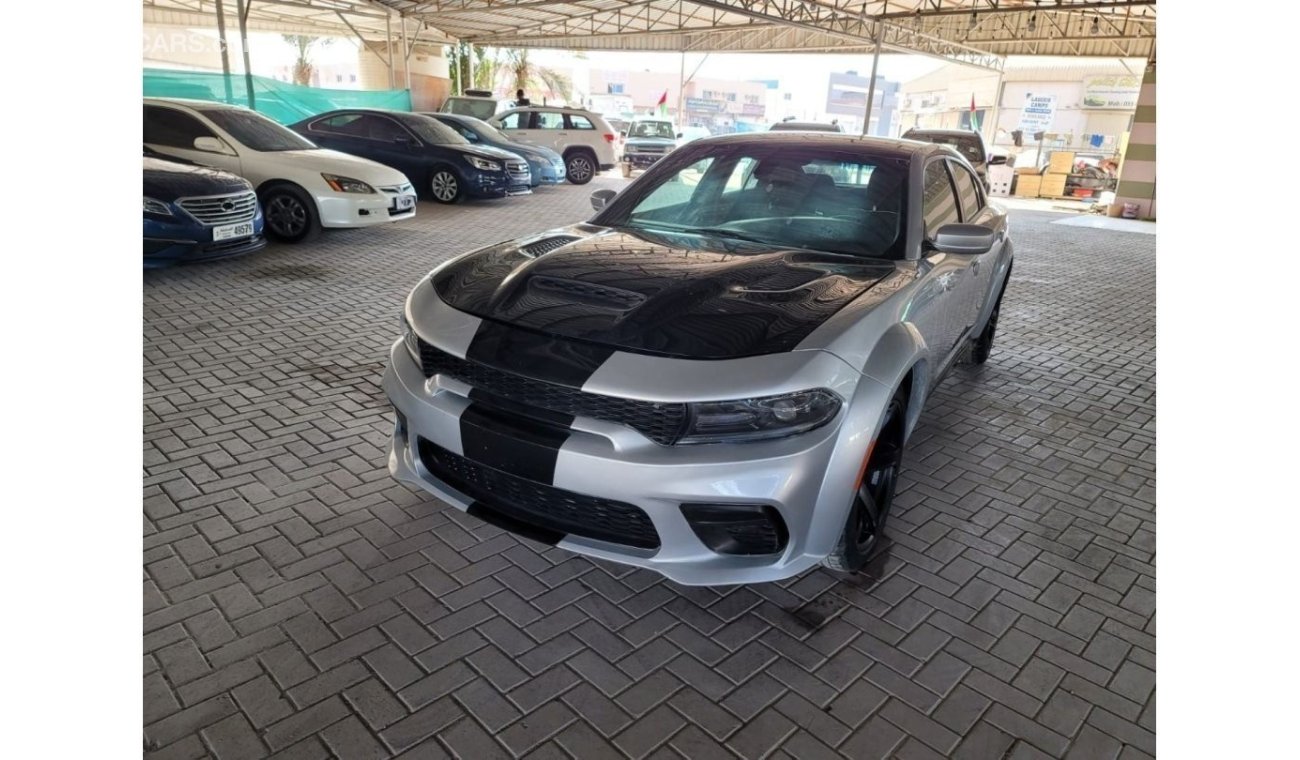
[[663, 104], [974, 118]]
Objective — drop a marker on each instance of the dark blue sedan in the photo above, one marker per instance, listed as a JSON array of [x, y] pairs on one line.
[[435, 157], [546, 164], [195, 213]]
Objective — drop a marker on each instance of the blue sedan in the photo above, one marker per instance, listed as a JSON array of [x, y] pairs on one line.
[[547, 165], [194, 213]]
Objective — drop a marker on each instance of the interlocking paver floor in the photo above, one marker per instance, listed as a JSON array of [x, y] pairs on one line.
[[299, 602]]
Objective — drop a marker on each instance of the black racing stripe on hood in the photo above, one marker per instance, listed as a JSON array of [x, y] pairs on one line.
[[670, 295], [532, 354]]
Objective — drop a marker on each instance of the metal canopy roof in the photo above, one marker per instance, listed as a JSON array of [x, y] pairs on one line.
[[974, 32]]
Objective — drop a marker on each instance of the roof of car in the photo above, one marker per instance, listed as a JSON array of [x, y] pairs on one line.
[[812, 126], [196, 103], [886, 145], [562, 109]]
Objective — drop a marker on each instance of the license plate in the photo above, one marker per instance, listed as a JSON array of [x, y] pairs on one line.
[[231, 231], [403, 202]]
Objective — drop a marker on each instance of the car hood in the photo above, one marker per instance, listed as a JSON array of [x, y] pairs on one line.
[[333, 162], [534, 152], [168, 180], [667, 294], [487, 151]]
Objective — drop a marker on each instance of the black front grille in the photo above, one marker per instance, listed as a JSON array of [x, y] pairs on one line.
[[660, 422], [539, 505]]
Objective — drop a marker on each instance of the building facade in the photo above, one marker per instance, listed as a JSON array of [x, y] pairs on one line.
[[1085, 105]]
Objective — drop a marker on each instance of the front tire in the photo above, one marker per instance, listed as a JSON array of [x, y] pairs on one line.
[[875, 495], [982, 346], [290, 213], [580, 167], [445, 186]]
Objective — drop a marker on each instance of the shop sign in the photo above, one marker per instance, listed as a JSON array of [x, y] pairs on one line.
[[1114, 91], [1037, 113]]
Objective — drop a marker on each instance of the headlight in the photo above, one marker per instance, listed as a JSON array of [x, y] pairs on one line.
[[483, 164], [411, 340], [760, 418], [346, 184], [152, 206]]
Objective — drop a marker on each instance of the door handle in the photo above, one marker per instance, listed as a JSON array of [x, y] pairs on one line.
[[975, 268]]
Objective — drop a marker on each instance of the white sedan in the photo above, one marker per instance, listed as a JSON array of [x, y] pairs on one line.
[[302, 187]]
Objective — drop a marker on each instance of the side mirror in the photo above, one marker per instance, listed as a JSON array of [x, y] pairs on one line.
[[601, 198], [212, 145], [996, 160], [623, 133], [680, 135], [966, 239]]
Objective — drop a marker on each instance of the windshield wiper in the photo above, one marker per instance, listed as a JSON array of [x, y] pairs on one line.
[[727, 232]]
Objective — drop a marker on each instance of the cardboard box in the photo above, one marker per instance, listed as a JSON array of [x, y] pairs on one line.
[[1026, 169], [1061, 162], [1052, 186], [1028, 185]]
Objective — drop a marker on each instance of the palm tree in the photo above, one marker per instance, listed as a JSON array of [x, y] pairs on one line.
[[525, 75], [302, 68], [485, 66]]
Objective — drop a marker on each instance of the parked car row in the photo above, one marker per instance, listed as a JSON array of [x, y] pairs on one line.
[[345, 168]]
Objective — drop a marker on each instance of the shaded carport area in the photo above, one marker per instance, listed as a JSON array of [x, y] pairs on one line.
[[298, 602]]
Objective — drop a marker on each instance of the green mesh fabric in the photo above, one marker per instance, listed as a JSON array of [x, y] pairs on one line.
[[282, 101]]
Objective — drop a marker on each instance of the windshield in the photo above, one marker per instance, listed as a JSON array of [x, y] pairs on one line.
[[479, 108], [256, 131], [652, 129], [812, 198], [432, 131]]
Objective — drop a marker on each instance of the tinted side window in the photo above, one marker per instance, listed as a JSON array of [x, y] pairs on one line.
[[580, 122], [516, 120], [351, 124], [383, 129], [967, 192], [940, 203], [167, 126], [548, 120]]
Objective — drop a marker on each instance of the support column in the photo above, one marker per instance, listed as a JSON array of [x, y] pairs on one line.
[[1137, 179], [225, 52], [388, 40], [871, 86], [469, 64], [406, 55], [243, 44], [681, 93]]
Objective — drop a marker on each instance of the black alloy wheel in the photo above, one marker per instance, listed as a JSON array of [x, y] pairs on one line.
[[290, 214], [875, 495]]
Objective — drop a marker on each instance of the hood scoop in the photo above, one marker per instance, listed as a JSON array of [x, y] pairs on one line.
[[590, 293], [546, 245]]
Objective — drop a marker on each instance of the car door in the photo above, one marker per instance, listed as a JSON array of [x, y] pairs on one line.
[[550, 129], [394, 145], [975, 210], [940, 310], [172, 132], [518, 125]]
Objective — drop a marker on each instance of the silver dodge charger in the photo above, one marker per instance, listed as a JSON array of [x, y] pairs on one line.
[[716, 376]]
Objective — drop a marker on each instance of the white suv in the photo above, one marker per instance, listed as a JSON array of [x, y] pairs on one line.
[[584, 138], [302, 187]]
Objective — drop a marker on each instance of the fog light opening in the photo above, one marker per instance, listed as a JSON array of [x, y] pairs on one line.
[[738, 529]]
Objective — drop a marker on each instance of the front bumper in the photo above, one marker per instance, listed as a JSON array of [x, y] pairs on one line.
[[806, 479], [642, 160], [343, 210], [167, 243]]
